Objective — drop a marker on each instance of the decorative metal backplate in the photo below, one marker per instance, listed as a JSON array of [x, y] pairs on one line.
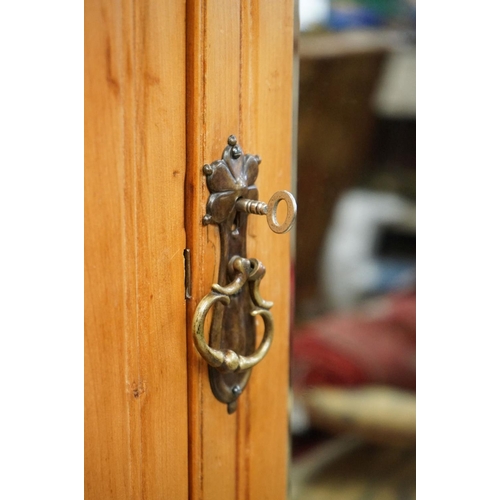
[[233, 325]]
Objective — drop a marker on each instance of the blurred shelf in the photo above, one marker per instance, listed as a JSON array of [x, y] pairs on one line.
[[338, 44]]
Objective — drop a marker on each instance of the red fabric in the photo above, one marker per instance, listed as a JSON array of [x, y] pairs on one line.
[[376, 345]]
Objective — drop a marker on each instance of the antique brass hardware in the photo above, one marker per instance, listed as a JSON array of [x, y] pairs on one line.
[[227, 360], [235, 299], [270, 210]]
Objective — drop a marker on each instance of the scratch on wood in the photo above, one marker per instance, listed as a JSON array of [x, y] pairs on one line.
[[187, 273], [113, 83]]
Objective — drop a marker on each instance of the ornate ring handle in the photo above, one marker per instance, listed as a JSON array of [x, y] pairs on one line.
[[227, 360]]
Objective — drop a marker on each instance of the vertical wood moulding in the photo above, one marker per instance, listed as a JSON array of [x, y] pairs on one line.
[[195, 142], [267, 114], [159, 70], [107, 474], [100, 295], [213, 59]]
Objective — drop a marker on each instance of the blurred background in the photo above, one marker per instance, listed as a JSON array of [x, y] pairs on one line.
[[353, 341]]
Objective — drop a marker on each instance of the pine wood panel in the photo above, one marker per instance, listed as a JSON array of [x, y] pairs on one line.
[[135, 343], [137, 393], [107, 433], [240, 82], [267, 129]]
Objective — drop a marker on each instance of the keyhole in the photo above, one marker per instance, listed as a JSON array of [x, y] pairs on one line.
[[235, 226]]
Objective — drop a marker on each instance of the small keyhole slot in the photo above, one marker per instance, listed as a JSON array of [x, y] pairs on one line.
[[235, 226]]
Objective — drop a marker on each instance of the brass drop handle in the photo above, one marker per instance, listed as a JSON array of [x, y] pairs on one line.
[[235, 300], [227, 360]]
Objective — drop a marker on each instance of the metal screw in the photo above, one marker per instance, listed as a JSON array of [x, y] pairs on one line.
[[231, 140], [237, 390]]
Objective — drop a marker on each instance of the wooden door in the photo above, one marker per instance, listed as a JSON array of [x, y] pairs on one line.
[[166, 82]]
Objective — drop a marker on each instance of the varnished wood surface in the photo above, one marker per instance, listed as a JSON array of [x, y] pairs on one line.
[[153, 429], [240, 57], [213, 114], [266, 129], [135, 344]]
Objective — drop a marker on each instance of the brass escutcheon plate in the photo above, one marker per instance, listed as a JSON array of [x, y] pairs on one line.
[[235, 299]]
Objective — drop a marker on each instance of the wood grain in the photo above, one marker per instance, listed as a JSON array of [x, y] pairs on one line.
[[240, 57], [140, 200], [213, 114], [107, 400], [135, 344], [266, 122]]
